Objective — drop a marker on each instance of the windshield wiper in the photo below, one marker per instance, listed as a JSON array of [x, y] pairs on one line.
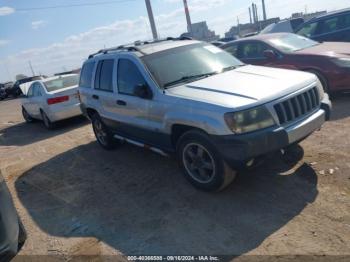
[[229, 68], [187, 78]]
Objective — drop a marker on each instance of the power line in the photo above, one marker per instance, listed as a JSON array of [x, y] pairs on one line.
[[73, 5]]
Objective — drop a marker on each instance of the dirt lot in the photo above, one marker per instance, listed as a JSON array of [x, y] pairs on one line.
[[75, 198]]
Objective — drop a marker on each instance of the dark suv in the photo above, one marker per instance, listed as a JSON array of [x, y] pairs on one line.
[[15, 90], [331, 27], [12, 232]]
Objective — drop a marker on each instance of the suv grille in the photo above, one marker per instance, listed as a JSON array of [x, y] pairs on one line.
[[297, 106]]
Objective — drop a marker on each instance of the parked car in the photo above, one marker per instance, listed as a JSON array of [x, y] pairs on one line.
[[284, 26], [15, 90], [217, 43], [52, 99], [330, 27], [4, 90], [12, 232], [3, 93], [329, 61], [251, 34], [198, 102], [228, 39]]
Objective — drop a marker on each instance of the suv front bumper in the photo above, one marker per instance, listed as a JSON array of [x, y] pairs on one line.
[[237, 150]]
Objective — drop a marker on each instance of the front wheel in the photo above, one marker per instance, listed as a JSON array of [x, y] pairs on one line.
[[201, 162]]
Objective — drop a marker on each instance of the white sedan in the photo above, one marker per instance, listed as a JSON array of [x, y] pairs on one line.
[[52, 99]]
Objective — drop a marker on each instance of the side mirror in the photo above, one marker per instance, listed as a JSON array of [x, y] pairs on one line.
[[143, 91], [270, 54]]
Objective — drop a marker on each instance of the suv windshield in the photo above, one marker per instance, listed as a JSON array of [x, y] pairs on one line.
[[290, 43], [188, 63], [61, 82]]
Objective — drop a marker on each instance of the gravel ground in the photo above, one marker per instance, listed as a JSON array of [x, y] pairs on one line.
[[76, 199]]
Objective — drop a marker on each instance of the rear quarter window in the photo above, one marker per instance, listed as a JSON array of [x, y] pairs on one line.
[[86, 75]]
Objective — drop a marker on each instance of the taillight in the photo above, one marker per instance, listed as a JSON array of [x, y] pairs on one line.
[[78, 94], [56, 100]]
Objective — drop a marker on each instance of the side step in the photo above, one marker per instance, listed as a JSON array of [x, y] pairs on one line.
[[133, 142]]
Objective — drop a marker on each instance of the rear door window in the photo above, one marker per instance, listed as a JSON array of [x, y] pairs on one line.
[[329, 25], [345, 21], [252, 50], [37, 90], [232, 49], [86, 75], [104, 75], [308, 30]]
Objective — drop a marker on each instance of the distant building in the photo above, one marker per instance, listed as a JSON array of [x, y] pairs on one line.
[[244, 29], [200, 31], [308, 16]]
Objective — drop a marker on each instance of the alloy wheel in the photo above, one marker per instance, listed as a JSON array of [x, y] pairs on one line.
[[198, 162]]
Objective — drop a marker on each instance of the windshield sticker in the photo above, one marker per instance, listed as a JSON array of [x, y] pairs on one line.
[[213, 49]]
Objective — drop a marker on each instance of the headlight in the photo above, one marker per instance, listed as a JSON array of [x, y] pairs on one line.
[[249, 120], [320, 89], [342, 62]]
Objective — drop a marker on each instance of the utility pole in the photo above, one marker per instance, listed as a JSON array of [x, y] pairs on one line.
[[31, 67], [188, 18], [264, 10], [151, 19], [253, 13], [239, 27], [250, 15]]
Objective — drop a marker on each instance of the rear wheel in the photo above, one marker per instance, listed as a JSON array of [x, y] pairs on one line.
[[26, 116], [47, 122], [103, 135], [201, 162]]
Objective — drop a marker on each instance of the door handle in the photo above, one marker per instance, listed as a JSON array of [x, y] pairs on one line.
[[95, 96], [121, 103]]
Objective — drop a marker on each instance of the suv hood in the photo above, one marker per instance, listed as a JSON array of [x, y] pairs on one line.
[[334, 49], [244, 86]]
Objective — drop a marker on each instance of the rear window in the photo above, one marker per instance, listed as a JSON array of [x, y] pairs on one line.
[[61, 82], [86, 75]]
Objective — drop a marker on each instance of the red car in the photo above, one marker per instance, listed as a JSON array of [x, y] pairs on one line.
[[330, 61]]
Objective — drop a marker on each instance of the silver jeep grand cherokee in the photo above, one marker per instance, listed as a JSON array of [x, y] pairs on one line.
[[195, 100]]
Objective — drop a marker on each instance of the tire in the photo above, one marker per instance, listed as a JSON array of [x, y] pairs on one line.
[[201, 163], [103, 135], [22, 234], [26, 116], [322, 79], [47, 122]]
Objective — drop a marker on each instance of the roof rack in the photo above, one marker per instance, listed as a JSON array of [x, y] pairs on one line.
[[115, 49], [134, 47]]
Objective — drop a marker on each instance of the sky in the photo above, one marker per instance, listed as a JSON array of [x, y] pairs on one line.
[[61, 38]]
